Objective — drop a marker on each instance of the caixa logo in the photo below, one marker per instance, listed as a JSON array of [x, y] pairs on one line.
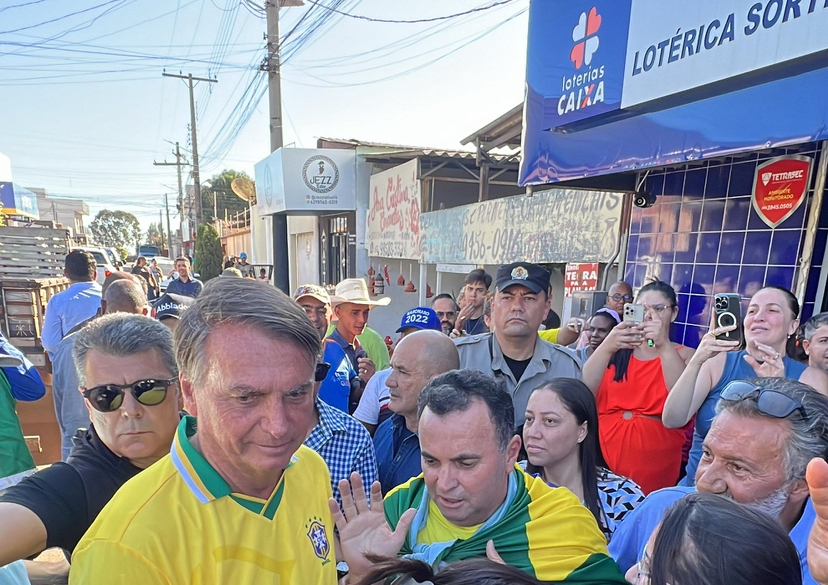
[[586, 86]]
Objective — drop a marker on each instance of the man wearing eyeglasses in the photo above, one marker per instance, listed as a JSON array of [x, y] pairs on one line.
[[127, 374], [240, 499], [446, 308], [765, 432], [618, 295]]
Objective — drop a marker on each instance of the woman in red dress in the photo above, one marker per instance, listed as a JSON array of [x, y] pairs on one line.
[[631, 373]]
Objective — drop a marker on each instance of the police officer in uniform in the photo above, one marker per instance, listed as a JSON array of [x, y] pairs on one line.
[[514, 352]]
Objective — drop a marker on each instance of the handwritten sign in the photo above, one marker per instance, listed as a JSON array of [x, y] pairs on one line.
[[394, 213], [580, 277], [558, 225], [779, 187]]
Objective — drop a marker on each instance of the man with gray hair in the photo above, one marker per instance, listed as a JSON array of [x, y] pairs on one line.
[[238, 483], [471, 499], [121, 292], [815, 342], [128, 378], [765, 432]]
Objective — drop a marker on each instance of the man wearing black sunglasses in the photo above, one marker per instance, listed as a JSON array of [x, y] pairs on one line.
[[765, 432], [240, 499], [128, 377]]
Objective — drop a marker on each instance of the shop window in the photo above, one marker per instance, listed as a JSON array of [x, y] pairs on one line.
[[741, 179], [694, 182], [708, 251], [674, 183], [717, 180], [757, 246]]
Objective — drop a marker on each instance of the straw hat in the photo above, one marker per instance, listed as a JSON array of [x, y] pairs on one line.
[[354, 290]]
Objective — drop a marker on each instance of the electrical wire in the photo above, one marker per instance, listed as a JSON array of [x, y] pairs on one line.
[[416, 21]]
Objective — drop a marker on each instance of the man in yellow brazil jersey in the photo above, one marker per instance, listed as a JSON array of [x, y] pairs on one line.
[[239, 499]]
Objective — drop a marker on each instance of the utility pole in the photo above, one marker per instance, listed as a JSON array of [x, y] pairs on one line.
[[281, 263], [169, 233], [196, 179], [161, 227], [177, 164]]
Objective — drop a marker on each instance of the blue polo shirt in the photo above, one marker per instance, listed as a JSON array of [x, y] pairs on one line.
[[335, 389], [635, 530], [398, 453]]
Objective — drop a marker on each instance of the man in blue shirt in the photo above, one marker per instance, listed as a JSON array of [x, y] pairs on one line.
[[765, 433], [418, 358], [76, 304], [186, 284], [373, 405], [335, 389]]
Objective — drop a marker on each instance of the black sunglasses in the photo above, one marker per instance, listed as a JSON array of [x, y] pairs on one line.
[[321, 371], [769, 402], [110, 397]]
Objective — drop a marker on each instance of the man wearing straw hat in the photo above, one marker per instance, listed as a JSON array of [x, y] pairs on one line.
[[351, 305]]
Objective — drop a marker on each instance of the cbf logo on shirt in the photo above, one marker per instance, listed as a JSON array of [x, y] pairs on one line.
[[319, 539]]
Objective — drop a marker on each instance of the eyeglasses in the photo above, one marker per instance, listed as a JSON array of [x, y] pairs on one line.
[[321, 373], [110, 397], [769, 402], [620, 297], [658, 307]]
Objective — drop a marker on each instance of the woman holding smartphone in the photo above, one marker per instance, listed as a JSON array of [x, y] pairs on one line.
[[772, 317], [631, 373]]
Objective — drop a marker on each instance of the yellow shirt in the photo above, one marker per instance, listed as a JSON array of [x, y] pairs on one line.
[[550, 335], [438, 529], [177, 523]]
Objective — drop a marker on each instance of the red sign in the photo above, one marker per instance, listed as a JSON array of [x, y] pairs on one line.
[[779, 187], [580, 277]]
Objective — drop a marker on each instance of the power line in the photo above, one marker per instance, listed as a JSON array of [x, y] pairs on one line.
[[416, 21]]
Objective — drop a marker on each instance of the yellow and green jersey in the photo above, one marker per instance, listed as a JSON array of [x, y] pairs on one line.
[[179, 523], [543, 531]]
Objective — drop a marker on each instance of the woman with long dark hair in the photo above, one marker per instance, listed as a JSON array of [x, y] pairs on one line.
[[631, 373], [707, 539], [772, 318], [561, 440]]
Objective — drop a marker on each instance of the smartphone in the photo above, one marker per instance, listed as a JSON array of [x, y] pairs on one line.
[[634, 313], [728, 307]]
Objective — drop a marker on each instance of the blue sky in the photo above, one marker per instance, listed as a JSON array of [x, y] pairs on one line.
[[85, 110]]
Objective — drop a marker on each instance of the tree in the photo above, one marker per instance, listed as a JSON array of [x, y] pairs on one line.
[[208, 254], [223, 196], [116, 229], [156, 236]]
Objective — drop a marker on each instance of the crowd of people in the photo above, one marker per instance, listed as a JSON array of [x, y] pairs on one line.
[[227, 433]]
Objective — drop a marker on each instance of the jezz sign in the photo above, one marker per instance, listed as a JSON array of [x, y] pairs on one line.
[[779, 187]]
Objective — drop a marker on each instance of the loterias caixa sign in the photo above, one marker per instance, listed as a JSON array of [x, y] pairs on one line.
[[593, 57], [780, 186]]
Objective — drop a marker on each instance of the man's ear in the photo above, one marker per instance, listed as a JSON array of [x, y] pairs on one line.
[[188, 395], [806, 346], [512, 452]]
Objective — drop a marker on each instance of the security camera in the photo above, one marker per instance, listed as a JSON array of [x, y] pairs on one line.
[[643, 199]]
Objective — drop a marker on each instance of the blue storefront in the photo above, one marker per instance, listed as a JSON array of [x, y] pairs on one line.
[[695, 101]]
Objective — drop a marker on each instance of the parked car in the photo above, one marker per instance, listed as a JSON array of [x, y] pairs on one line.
[[105, 265], [115, 256]]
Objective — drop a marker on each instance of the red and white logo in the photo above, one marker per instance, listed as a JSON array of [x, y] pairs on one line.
[[779, 187], [585, 37]]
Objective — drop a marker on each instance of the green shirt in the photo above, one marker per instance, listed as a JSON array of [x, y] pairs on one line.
[[374, 345], [14, 455]]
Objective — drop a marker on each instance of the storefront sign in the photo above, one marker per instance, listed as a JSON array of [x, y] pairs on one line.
[[394, 213], [15, 200], [779, 187], [455, 268], [657, 82], [558, 225], [580, 277], [297, 180]]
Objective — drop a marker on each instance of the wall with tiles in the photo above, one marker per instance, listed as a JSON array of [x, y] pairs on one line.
[[703, 237]]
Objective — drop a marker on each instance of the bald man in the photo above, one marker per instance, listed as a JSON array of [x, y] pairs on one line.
[[418, 358], [121, 292]]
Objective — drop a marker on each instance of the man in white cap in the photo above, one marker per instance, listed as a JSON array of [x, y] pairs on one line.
[[351, 305]]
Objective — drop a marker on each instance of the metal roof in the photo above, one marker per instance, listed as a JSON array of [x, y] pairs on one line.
[[377, 150], [503, 131]]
